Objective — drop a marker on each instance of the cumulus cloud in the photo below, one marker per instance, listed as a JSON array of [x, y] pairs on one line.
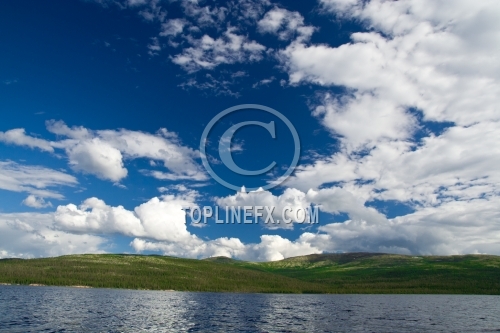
[[334, 200], [417, 66], [159, 219], [364, 120], [85, 228], [291, 198], [421, 65], [154, 47], [263, 82], [248, 10], [449, 229], [270, 248], [417, 55], [204, 15], [18, 137], [171, 176], [102, 153], [150, 10], [173, 27], [220, 12], [208, 53], [454, 227], [451, 165], [35, 180], [36, 202], [285, 24], [274, 247], [208, 34], [31, 235], [223, 83], [97, 157], [196, 248], [158, 225]]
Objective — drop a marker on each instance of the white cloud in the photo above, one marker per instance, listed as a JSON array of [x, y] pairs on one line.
[[264, 82], [270, 248], [152, 12], [164, 147], [76, 132], [172, 176], [420, 62], [291, 198], [208, 53], [417, 61], [31, 235], [285, 24], [173, 27], [333, 200], [338, 200], [220, 85], [156, 219], [36, 202], [136, 2], [154, 47], [97, 157], [158, 224], [455, 227], [33, 179], [460, 163], [102, 153], [248, 10], [364, 120], [419, 55], [71, 228], [18, 137], [207, 35], [274, 247], [196, 248], [206, 15], [450, 229]]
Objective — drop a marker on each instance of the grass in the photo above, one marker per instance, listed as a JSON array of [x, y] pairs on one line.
[[327, 273], [395, 274]]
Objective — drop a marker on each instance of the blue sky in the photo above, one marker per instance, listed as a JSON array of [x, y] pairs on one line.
[[104, 103]]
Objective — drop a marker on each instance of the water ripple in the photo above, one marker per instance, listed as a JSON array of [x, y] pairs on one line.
[[51, 309]]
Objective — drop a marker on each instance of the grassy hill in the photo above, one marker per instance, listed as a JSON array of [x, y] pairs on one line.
[[386, 273], [324, 273]]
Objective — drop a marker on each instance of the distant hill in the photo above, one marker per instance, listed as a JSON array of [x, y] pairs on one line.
[[318, 273], [221, 259]]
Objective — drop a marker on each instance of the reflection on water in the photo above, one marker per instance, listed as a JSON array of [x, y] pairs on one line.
[[50, 309]]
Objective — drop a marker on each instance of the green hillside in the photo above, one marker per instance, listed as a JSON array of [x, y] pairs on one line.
[[325, 273], [386, 273]]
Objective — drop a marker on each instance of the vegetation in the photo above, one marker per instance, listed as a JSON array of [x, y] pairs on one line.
[[394, 274], [325, 273]]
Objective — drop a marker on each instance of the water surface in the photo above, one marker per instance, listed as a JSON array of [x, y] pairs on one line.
[[53, 309]]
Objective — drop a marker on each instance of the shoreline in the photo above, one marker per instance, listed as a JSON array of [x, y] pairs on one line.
[[352, 273], [235, 292], [89, 287]]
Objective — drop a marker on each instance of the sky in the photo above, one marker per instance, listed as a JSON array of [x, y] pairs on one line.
[[104, 104]]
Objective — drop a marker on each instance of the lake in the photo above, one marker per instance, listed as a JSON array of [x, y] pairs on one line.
[[55, 309]]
